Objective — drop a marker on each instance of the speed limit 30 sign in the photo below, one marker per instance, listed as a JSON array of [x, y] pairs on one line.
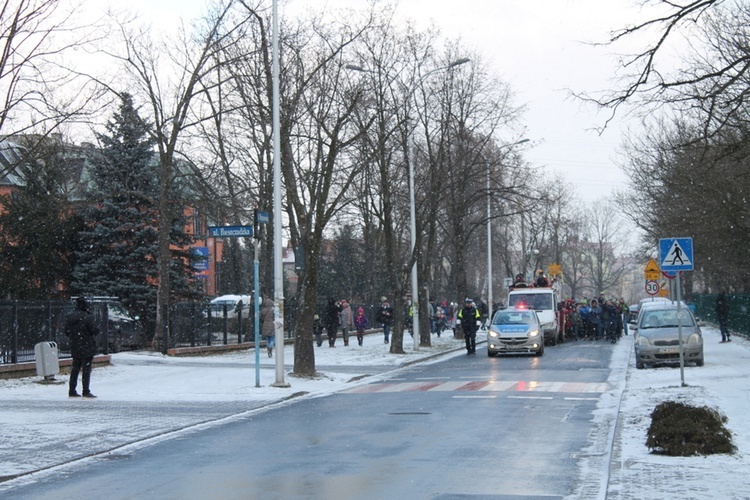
[[652, 287]]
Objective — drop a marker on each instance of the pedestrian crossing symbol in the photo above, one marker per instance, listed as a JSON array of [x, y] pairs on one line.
[[676, 254]]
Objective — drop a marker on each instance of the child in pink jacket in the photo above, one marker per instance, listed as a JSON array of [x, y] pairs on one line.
[[360, 323]]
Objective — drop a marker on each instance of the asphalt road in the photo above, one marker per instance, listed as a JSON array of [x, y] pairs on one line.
[[467, 426]]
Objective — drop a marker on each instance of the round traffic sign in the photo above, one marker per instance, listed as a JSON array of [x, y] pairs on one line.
[[652, 287]]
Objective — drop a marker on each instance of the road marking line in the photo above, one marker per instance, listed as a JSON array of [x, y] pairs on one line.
[[474, 397], [529, 397]]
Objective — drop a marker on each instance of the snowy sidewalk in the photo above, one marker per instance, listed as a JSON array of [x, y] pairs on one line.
[[722, 383]]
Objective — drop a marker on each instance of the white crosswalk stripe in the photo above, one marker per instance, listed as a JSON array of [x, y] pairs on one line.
[[482, 386]]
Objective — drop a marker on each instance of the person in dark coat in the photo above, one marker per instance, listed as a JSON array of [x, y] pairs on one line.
[[722, 314], [331, 320], [384, 316], [82, 331], [469, 316]]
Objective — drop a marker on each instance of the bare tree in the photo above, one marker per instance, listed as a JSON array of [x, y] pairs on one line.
[[605, 236], [168, 74], [36, 36]]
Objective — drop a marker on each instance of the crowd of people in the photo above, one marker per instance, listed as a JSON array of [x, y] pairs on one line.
[[336, 320], [596, 319]]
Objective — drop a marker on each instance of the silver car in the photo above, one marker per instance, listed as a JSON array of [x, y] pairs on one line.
[[515, 330], [657, 336]]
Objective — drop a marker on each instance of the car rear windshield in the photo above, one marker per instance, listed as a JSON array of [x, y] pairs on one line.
[[531, 300]]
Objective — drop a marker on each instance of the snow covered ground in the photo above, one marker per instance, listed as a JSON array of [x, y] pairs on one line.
[[155, 380], [723, 383]]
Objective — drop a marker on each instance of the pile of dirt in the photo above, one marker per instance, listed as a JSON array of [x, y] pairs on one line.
[[680, 430]]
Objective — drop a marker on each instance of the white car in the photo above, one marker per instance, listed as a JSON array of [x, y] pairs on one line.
[[232, 305], [515, 330]]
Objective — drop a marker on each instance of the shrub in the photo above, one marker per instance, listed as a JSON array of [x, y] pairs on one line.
[[680, 430]]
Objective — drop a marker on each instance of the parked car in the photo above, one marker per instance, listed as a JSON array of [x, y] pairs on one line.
[[232, 304], [515, 330], [657, 336], [124, 330]]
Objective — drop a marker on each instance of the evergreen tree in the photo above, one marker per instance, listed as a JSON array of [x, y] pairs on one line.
[[37, 232], [119, 244]]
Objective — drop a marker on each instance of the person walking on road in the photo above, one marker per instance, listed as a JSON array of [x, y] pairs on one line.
[[469, 316], [82, 331], [346, 320], [384, 316], [331, 320], [360, 323], [267, 325], [722, 314]]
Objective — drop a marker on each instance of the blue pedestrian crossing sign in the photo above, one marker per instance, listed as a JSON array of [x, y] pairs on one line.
[[676, 254]]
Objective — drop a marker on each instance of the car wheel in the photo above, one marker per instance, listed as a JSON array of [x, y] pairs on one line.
[[490, 354], [639, 365], [540, 352], [699, 362]]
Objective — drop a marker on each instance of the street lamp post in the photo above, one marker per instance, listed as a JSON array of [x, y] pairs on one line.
[[278, 280], [489, 234], [412, 206]]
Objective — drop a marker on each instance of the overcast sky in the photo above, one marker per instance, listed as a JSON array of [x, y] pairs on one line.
[[541, 48]]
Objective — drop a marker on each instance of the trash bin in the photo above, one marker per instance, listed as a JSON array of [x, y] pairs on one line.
[[47, 364]]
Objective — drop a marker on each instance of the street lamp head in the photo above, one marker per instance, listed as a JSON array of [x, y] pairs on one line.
[[522, 141], [459, 62], [354, 67]]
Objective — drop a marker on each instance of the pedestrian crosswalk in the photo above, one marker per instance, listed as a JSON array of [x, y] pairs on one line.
[[481, 386]]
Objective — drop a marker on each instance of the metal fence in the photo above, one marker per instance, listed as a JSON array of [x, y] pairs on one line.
[[739, 311], [23, 324]]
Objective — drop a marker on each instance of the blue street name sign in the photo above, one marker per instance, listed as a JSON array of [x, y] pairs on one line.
[[263, 217], [676, 254], [230, 231]]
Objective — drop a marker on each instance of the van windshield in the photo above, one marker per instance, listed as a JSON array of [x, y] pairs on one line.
[[536, 301]]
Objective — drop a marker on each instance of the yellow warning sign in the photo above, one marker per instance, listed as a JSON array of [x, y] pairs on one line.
[[652, 271], [554, 270]]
